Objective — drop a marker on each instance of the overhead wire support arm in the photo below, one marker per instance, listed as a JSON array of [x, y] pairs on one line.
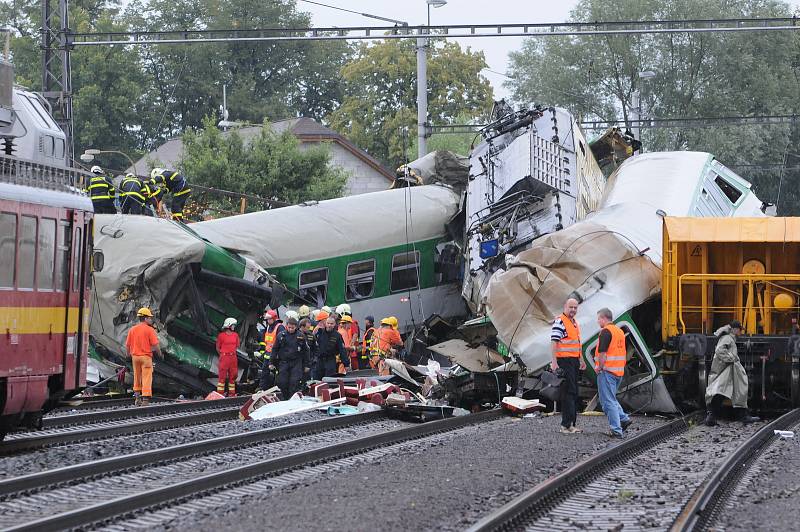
[[732, 25]]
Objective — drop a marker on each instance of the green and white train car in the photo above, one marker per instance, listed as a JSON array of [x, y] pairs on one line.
[[384, 253]]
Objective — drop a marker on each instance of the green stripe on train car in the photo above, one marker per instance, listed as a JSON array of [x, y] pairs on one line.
[[337, 269], [218, 260]]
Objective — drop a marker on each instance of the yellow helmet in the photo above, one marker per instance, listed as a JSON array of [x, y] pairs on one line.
[[304, 311], [144, 311], [346, 319], [386, 321], [393, 322]]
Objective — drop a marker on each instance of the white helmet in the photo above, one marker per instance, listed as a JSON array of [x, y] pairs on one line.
[[156, 172], [292, 314], [97, 170], [343, 309], [229, 323], [129, 176]]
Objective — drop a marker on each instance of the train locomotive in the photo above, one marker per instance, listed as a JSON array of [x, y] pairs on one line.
[[45, 242]]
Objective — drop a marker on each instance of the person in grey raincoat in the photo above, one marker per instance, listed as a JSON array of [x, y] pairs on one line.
[[727, 378]]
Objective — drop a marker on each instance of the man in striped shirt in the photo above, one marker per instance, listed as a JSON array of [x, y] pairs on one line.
[[565, 339]]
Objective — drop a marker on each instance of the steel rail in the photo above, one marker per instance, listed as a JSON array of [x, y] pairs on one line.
[[136, 426], [107, 510], [144, 411], [90, 404], [542, 498], [119, 464], [710, 497]]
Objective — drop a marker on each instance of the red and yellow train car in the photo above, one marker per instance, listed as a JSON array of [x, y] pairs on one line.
[[45, 241]]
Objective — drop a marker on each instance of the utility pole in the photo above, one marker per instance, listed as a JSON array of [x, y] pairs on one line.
[[56, 73], [422, 96]]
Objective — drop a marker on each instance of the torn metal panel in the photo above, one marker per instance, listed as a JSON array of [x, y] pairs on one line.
[[480, 358], [190, 284], [532, 174], [612, 259]]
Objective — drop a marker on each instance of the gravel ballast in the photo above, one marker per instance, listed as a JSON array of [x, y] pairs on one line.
[[53, 457], [444, 482], [769, 496]]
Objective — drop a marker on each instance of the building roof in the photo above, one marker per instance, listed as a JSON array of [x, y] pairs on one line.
[[305, 129]]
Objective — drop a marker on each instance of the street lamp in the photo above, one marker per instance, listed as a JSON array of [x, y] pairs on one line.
[[422, 84], [645, 76], [88, 156]]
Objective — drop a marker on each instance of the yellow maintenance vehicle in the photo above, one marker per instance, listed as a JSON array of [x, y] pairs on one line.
[[716, 270]]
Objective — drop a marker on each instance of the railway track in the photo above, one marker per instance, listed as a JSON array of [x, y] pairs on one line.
[[70, 405], [642, 483], [132, 485], [709, 500], [94, 426]]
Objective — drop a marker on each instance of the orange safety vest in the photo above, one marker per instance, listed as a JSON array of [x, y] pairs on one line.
[[616, 354], [270, 336], [569, 346]]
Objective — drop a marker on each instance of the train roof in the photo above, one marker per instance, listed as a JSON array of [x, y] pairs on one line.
[[336, 227], [26, 181], [767, 229]]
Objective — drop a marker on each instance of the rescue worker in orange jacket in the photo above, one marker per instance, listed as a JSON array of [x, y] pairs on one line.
[[227, 344], [350, 343], [366, 342], [274, 327], [140, 344], [610, 356], [565, 337], [385, 343]]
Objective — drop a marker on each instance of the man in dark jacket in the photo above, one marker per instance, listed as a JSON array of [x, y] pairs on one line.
[[291, 357], [330, 346]]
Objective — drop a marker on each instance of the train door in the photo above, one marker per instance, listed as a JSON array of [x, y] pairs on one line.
[[73, 239]]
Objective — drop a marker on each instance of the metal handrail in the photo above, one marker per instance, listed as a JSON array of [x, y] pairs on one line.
[[28, 173], [744, 277]]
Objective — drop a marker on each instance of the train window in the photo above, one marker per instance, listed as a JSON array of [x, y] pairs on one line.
[[8, 249], [46, 254], [27, 252], [49, 144], [313, 286], [78, 263], [62, 256], [405, 268], [360, 280], [59, 153], [732, 193]]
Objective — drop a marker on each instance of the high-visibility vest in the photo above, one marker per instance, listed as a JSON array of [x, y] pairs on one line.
[[616, 354], [367, 342], [99, 188], [347, 336], [570, 345], [381, 344], [269, 338]]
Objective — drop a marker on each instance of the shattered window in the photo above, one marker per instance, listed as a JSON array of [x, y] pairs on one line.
[[732, 193], [8, 249], [405, 271], [313, 286], [360, 280], [62, 256]]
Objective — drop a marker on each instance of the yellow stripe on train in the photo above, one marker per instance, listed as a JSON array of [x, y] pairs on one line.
[[38, 320]]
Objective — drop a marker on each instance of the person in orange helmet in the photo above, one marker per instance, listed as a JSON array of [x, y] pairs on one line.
[[140, 344], [385, 343]]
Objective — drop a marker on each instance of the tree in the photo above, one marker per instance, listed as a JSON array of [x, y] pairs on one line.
[[268, 165], [697, 75], [379, 112]]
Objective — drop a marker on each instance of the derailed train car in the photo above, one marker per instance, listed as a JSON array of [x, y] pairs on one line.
[[613, 259], [191, 285]]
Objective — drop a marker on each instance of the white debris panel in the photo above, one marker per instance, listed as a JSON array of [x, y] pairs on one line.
[[613, 258]]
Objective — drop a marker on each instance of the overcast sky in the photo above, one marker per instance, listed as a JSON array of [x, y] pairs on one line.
[[455, 12]]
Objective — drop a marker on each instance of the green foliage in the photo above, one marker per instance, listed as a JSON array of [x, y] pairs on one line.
[[378, 112], [698, 75], [267, 165]]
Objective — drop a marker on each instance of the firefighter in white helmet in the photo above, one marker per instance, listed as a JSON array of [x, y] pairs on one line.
[[227, 344]]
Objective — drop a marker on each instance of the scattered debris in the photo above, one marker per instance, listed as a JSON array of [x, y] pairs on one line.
[[256, 401], [784, 434], [519, 406]]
